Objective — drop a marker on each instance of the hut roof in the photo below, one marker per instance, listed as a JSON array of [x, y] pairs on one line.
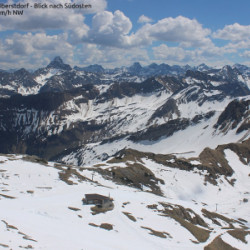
[[96, 197]]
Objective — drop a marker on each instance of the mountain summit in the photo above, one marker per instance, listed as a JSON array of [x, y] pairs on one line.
[[57, 63], [135, 68]]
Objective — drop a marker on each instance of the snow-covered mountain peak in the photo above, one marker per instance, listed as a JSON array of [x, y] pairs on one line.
[[22, 71]]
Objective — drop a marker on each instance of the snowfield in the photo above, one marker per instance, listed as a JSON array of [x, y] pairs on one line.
[[41, 207]]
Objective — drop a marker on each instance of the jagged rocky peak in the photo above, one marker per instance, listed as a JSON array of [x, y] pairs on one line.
[[203, 67], [242, 68], [229, 72], [197, 75], [164, 66], [185, 68], [153, 66], [226, 68], [58, 60], [135, 67], [22, 74], [22, 71], [57, 63]]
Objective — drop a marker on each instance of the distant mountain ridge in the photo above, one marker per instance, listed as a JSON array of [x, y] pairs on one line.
[[147, 71], [58, 76]]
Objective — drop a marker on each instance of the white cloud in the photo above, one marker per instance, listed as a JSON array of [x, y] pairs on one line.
[[246, 54], [211, 55], [234, 46], [176, 54], [108, 23], [144, 19], [109, 29], [31, 50], [109, 40], [187, 31], [237, 35], [113, 30], [29, 43], [35, 50], [77, 34], [234, 32], [109, 56]]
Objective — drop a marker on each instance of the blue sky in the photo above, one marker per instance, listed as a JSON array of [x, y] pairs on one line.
[[211, 13], [119, 32]]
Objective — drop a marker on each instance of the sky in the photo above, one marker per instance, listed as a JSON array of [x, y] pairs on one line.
[[116, 33]]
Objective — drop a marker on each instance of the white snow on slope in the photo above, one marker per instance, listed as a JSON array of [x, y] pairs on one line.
[[132, 114], [184, 143], [34, 208], [41, 81], [127, 114], [45, 217], [42, 78]]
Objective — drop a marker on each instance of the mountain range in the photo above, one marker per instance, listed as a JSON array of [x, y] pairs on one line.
[[58, 76], [80, 116], [177, 136]]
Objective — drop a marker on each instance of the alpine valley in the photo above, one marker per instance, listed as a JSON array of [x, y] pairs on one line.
[[169, 144]]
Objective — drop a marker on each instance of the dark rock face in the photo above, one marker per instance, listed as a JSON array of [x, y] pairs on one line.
[[154, 133], [234, 89], [167, 110], [226, 79], [172, 84], [206, 116], [44, 101], [199, 75], [138, 176], [150, 85], [119, 90], [67, 81], [227, 72], [235, 112], [26, 125]]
